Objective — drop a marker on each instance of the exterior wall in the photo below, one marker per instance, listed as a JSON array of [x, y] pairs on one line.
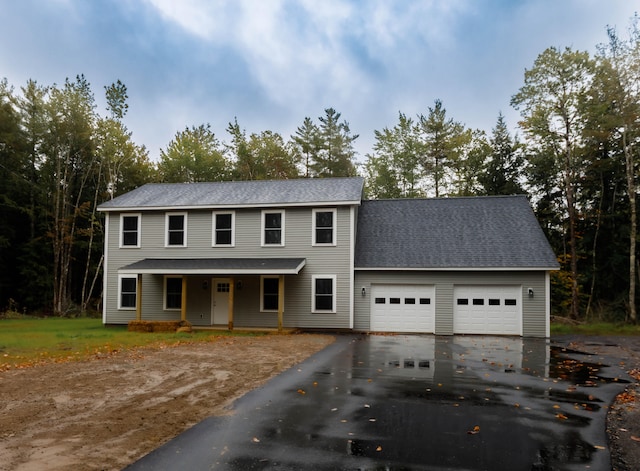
[[320, 260], [535, 311]]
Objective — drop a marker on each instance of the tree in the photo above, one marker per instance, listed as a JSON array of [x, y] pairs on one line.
[[620, 63], [443, 141], [336, 154], [503, 169], [551, 103], [393, 170], [307, 142], [194, 155]]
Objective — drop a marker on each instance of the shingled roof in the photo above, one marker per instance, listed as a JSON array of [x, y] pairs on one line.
[[243, 193], [480, 232]]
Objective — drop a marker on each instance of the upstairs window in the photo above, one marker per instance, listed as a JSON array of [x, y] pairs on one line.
[[324, 227], [176, 235], [130, 230], [223, 229], [272, 228]]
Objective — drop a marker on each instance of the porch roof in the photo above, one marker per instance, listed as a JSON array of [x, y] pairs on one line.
[[215, 266]]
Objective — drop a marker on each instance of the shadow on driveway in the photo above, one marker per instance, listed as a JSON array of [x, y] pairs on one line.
[[414, 402]]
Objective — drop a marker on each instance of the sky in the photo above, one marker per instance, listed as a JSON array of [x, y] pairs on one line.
[[271, 63]]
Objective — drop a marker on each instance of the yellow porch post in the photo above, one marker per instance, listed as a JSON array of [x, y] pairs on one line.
[[139, 298], [183, 304], [280, 302], [232, 288]]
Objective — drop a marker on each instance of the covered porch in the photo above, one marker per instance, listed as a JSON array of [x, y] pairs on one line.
[[207, 292]]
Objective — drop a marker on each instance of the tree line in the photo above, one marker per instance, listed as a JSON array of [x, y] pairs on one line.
[[574, 156]]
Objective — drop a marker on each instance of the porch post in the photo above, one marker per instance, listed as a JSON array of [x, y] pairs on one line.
[[183, 304], [280, 302], [139, 298], [232, 288]]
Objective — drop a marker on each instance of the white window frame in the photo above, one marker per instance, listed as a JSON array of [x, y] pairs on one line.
[[263, 228], [139, 217], [120, 306], [313, 294], [214, 218], [164, 293], [314, 242], [166, 229], [262, 278]]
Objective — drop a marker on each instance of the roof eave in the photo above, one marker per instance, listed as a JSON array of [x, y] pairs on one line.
[[536, 268], [226, 206]]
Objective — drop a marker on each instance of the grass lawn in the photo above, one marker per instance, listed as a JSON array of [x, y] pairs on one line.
[[595, 328], [26, 342]]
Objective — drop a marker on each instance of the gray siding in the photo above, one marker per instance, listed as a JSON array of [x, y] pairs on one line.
[[534, 309], [320, 260]]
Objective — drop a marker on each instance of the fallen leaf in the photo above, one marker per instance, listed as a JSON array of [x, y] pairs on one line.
[[635, 439], [379, 448], [561, 417], [301, 391], [599, 447], [255, 440]]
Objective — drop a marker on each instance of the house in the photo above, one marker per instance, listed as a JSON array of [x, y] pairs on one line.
[[311, 254]]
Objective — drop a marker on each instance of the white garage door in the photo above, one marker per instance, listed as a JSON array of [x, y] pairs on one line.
[[402, 308], [487, 310]]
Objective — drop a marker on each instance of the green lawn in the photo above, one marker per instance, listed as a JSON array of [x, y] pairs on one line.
[[595, 328], [25, 342]]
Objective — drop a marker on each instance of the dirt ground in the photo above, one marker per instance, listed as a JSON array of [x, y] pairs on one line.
[[105, 413]]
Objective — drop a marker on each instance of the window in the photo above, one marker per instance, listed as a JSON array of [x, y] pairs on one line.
[[324, 227], [128, 292], [494, 302], [324, 299], [269, 294], [130, 230], [172, 293], [509, 302], [272, 227], [462, 301], [223, 225], [394, 300], [425, 300], [381, 300], [409, 300], [478, 302], [176, 224]]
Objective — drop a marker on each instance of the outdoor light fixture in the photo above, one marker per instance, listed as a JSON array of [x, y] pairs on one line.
[[530, 291], [205, 285], [364, 291], [239, 285]]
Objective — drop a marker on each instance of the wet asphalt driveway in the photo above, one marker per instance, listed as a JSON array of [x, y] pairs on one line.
[[415, 402]]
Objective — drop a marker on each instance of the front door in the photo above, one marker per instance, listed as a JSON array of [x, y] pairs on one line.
[[220, 300]]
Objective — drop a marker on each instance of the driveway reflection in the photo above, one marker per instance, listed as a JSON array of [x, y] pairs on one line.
[[415, 402]]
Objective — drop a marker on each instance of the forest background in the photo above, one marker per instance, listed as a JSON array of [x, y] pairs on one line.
[[574, 154]]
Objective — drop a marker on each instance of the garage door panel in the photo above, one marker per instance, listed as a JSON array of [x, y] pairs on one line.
[[403, 308], [487, 310]]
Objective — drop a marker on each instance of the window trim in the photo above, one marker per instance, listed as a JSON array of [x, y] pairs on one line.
[[334, 231], [262, 278], [165, 293], [120, 306], [333, 294], [166, 229], [214, 218], [263, 213], [139, 230]]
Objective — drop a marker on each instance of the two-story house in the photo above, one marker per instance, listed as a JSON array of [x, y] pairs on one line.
[[311, 254]]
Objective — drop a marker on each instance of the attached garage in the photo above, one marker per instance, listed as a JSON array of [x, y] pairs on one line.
[[487, 310], [403, 308]]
